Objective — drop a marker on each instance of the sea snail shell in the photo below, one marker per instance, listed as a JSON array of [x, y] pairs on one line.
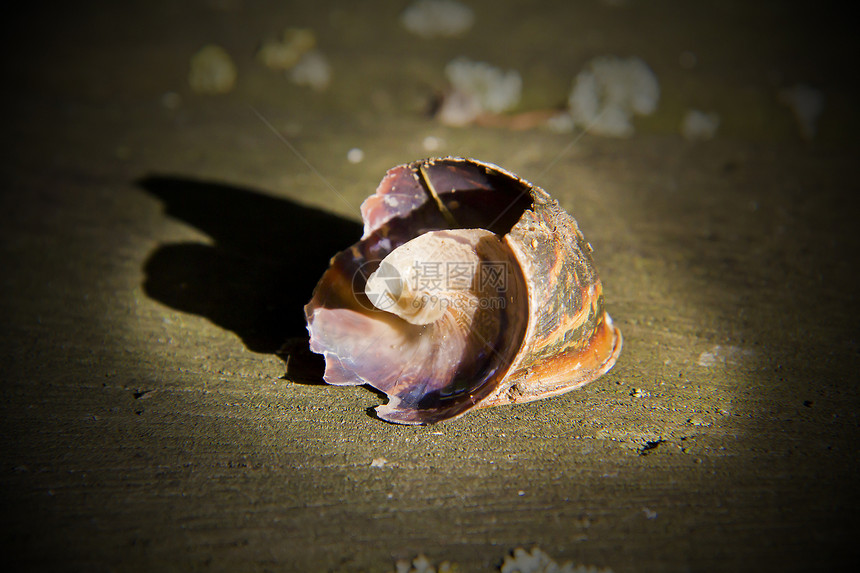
[[469, 288]]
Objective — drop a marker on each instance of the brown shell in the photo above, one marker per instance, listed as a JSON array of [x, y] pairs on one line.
[[555, 336]]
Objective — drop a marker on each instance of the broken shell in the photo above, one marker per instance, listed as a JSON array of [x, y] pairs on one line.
[[469, 288]]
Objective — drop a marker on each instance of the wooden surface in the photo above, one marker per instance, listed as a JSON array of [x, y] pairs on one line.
[[155, 258]]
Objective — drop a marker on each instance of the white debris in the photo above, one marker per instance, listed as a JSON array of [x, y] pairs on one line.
[[284, 53], [313, 70], [478, 87], [649, 513], [459, 109], [378, 462], [422, 565], [718, 354], [807, 103], [355, 155], [609, 91], [561, 122], [431, 143], [212, 71], [698, 125], [496, 90], [536, 561], [433, 18]]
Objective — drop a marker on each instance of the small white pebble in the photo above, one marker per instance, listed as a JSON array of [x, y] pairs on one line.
[[422, 565], [459, 109], [497, 90], [649, 513], [212, 71], [536, 561], [285, 53], [561, 123], [355, 155], [431, 143], [476, 88], [313, 70], [609, 91], [378, 462]]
